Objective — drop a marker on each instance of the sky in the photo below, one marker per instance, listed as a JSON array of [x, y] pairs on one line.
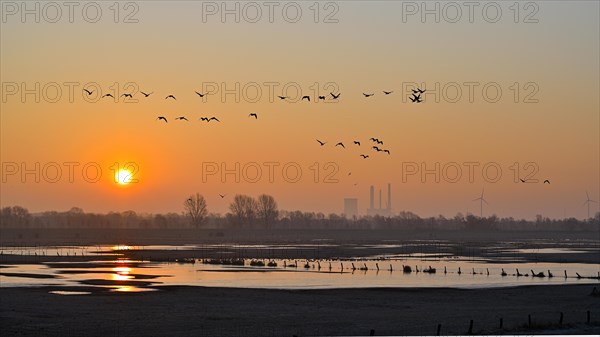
[[504, 101]]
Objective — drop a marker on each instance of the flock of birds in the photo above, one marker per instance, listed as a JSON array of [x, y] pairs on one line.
[[416, 98], [358, 143], [316, 264]]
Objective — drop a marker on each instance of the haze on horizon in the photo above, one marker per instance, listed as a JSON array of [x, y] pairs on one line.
[[370, 49]]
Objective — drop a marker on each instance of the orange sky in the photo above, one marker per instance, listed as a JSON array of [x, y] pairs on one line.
[[171, 51]]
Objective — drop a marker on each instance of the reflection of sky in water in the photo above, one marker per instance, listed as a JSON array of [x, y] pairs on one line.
[[122, 277]]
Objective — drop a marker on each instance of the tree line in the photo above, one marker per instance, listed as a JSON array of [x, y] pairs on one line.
[[262, 212]]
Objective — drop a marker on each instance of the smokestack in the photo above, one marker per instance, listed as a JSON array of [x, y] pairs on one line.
[[372, 202], [389, 205], [380, 198]]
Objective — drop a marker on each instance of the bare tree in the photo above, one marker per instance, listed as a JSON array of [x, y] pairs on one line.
[[196, 210], [267, 209], [243, 209]]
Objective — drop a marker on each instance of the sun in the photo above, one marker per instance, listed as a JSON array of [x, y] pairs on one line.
[[123, 177]]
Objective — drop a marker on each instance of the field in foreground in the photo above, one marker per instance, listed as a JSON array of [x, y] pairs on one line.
[[197, 311]]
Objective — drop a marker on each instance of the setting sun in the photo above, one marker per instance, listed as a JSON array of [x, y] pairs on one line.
[[123, 177]]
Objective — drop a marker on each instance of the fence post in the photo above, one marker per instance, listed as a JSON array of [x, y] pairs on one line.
[[438, 329], [560, 321], [501, 323], [471, 327]]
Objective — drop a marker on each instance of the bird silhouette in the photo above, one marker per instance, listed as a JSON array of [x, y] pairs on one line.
[[357, 142], [418, 91], [386, 151], [416, 99], [335, 96], [213, 119], [340, 144], [200, 94], [364, 156], [306, 97], [127, 95], [522, 180], [222, 195], [88, 92], [322, 97], [379, 141], [163, 118], [253, 115], [374, 139], [204, 119], [108, 95], [182, 118], [145, 94], [171, 96], [376, 148], [322, 143], [282, 97], [546, 181], [368, 95], [387, 92]]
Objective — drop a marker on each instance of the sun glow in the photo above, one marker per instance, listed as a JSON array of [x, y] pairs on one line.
[[123, 177]]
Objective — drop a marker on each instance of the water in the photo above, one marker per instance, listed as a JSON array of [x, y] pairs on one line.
[[120, 274]]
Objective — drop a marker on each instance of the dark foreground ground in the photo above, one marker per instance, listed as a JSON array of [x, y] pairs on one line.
[[196, 311]]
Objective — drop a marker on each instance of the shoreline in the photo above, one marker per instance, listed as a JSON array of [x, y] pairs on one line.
[[205, 311]]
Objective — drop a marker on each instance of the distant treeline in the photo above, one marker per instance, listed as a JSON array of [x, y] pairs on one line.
[[19, 217]]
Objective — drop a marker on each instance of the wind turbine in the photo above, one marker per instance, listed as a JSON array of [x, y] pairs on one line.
[[588, 201], [481, 201]]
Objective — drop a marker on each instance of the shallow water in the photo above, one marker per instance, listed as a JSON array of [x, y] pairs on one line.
[[130, 276]]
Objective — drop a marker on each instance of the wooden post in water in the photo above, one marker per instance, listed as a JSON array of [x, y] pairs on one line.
[[501, 323], [471, 327], [529, 321], [372, 332], [438, 329], [560, 321], [588, 317]]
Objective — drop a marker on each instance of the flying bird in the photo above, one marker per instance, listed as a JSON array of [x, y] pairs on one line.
[[253, 115], [199, 94], [379, 141], [108, 95], [222, 195], [282, 97], [340, 144], [386, 151], [213, 119], [322, 143], [335, 96], [420, 91], [387, 92], [322, 97], [373, 139], [305, 97], [522, 180], [364, 156], [546, 181], [127, 95], [163, 118], [357, 142], [204, 119], [368, 95], [171, 96], [416, 99], [145, 94], [182, 118], [88, 92], [376, 148]]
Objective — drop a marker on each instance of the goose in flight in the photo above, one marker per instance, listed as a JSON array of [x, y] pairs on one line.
[[368, 95], [386, 151], [199, 94], [387, 92], [340, 144], [213, 119], [305, 97], [88, 92], [546, 181], [181, 118], [365, 156], [282, 97], [416, 99], [335, 96], [322, 97], [357, 142], [146, 94], [127, 95], [171, 96], [253, 115], [322, 143], [162, 118], [108, 95]]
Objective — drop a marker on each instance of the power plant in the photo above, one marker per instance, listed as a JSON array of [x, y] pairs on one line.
[[387, 211]]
